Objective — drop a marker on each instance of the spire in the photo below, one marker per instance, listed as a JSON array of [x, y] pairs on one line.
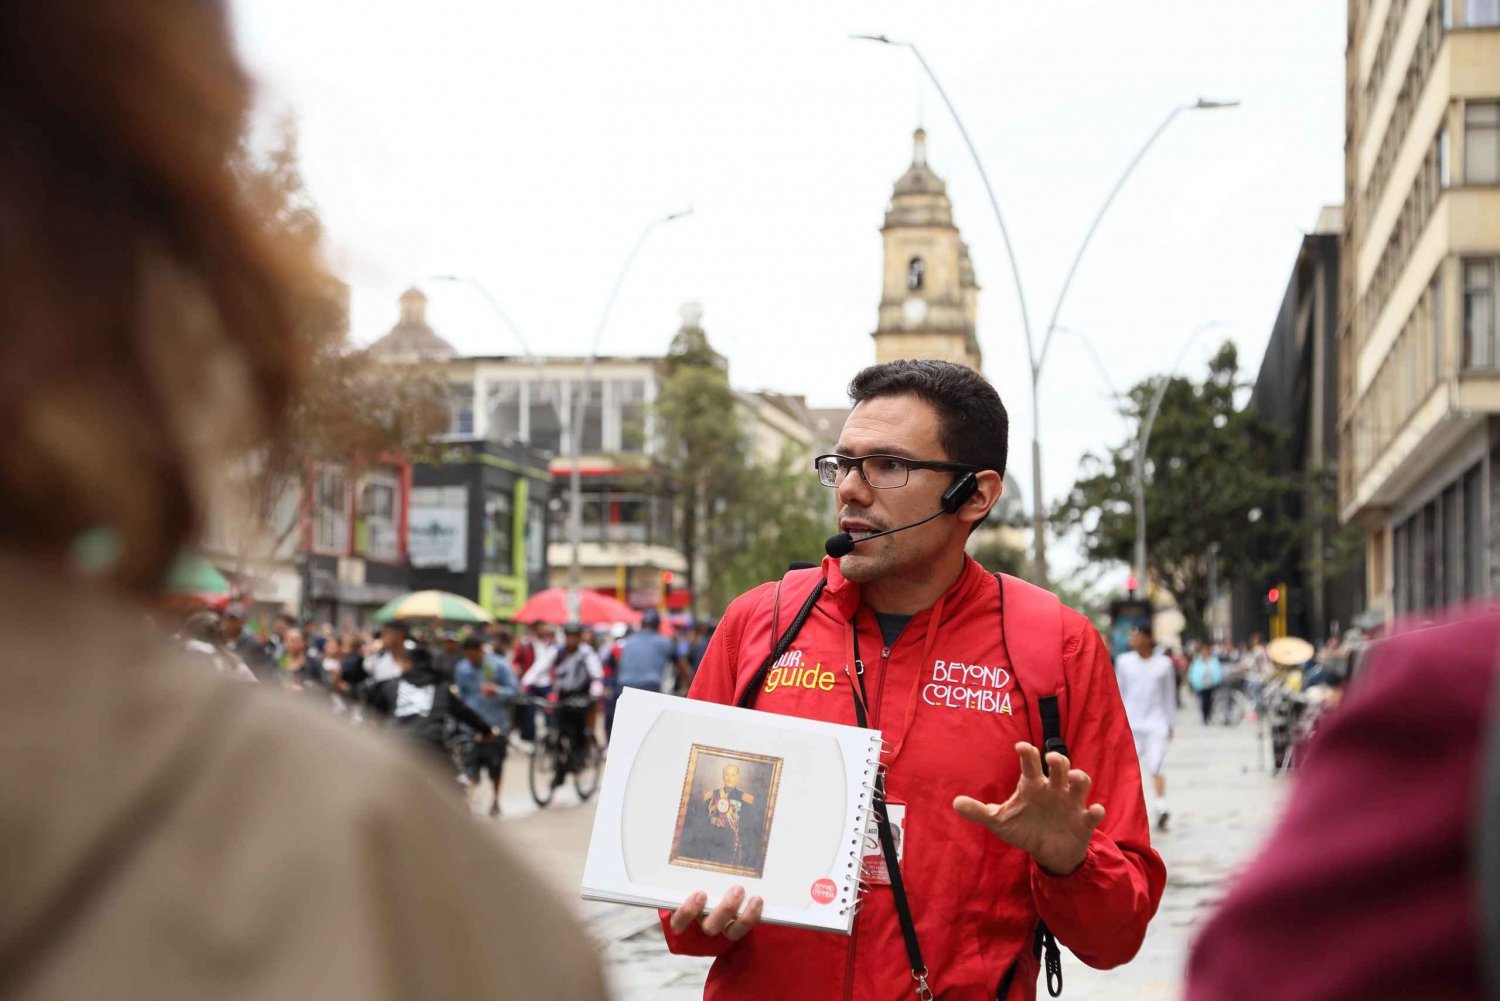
[[919, 147], [413, 307]]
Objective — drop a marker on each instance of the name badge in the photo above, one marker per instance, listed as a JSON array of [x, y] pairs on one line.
[[872, 867]]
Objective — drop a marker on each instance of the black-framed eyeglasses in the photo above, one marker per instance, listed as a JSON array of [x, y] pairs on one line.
[[883, 472]]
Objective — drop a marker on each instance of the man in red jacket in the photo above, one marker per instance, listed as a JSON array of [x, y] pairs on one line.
[[990, 846]]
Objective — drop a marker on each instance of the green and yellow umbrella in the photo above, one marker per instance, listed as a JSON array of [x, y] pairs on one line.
[[441, 605]]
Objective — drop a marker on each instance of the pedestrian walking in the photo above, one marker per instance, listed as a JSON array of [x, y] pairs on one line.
[[485, 681], [1205, 675], [648, 659], [1148, 684], [976, 683]]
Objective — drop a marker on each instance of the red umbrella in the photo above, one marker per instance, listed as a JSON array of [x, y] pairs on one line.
[[551, 606]]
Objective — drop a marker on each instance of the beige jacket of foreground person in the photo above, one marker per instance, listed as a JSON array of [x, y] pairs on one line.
[[166, 834]]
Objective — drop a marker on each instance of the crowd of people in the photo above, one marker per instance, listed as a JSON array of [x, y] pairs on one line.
[[466, 695]]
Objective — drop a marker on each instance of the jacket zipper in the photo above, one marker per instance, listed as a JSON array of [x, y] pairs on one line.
[[874, 711]]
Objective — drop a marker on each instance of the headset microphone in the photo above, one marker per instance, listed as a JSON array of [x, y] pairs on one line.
[[841, 545]]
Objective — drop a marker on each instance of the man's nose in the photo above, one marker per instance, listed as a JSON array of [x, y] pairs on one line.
[[854, 491]]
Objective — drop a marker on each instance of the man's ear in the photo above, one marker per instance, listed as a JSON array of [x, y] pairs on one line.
[[988, 488]]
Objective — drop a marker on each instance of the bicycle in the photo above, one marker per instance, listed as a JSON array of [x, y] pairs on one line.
[[553, 753]]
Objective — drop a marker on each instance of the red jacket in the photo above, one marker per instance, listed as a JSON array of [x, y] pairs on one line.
[[975, 899]]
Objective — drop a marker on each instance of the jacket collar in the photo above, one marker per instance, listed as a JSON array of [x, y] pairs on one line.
[[847, 596]]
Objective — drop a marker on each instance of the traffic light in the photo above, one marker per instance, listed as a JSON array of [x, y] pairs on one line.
[[666, 586], [1276, 608], [1131, 584]]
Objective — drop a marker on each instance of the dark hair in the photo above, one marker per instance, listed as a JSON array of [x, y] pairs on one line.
[[472, 642], [140, 292], [397, 624], [972, 423]]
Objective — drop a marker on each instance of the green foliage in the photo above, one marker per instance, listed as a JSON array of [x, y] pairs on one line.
[[354, 409], [785, 517], [702, 458], [1211, 477]]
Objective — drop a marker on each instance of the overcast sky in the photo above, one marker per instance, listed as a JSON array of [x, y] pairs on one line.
[[527, 145]]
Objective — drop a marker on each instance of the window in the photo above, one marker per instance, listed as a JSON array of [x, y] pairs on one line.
[[1401, 571], [916, 271], [1439, 332], [505, 411], [591, 437], [330, 512], [499, 532], [1474, 586], [1445, 170], [1429, 556], [1479, 313], [629, 400], [1482, 13], [1453, 554], [1482, 142], [461, 411], [375, 531], [536, 549], [543, 427]]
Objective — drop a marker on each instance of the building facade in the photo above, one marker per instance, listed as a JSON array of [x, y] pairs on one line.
[[1419, 338], [1296, 391], [929, 298], [478, 523]]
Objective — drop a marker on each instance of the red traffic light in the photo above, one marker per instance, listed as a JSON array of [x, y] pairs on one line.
[[666, 578], [1273, 595], [1131, 583]]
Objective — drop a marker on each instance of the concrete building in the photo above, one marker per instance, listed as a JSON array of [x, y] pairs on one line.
[[1296, 391], [478, 523], [630, 532], [1419, 348], [929, 296]]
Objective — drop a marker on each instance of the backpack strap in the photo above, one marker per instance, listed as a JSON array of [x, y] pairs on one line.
[[1487, 853], [1031, 636], [804, 586]]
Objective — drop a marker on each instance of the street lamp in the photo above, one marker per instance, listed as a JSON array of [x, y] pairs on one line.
[[1035, 360], [570, 420], [1144, 439], [575, 434]]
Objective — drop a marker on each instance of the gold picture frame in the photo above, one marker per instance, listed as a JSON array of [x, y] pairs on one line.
[[718, 830]]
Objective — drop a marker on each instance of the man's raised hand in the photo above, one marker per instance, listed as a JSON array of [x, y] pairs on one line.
[[1048, 816]]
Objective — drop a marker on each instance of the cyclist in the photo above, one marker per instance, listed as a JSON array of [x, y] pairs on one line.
[[576, 672]]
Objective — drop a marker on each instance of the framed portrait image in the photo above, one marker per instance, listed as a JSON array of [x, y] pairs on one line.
[[726, 811]]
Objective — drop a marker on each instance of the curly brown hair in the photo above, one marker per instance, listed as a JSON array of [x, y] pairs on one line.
[[146, 325]]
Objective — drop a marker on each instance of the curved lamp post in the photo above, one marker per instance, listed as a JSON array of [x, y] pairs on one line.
[[570, 419], [1035, 359]]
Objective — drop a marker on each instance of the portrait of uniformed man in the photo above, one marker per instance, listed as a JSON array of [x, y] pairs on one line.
[[728, 799]]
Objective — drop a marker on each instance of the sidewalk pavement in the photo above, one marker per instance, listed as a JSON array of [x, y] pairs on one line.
[[1222, 805]]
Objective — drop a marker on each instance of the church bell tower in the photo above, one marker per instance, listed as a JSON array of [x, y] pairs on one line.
[[929, 300]]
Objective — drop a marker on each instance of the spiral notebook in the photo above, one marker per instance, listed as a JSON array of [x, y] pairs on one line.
[[699, 796]]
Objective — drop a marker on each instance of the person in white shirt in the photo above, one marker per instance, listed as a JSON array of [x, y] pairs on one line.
[[1147, 684]]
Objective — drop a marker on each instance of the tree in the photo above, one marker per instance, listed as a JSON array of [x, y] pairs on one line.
[[702, 460], [786, 517], [1211, 476], [352, 409]]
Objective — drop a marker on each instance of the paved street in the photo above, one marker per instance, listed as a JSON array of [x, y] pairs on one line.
[[1222, 805]]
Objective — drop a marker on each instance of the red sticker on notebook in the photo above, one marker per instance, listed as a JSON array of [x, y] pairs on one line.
[[824, 890]]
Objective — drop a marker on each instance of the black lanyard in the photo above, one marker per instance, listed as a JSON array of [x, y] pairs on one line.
[[888, 840]]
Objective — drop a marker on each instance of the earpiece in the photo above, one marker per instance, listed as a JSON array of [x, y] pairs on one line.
[[962, 489]]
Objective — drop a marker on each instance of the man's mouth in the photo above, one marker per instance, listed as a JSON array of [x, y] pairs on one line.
[[857, 529]]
